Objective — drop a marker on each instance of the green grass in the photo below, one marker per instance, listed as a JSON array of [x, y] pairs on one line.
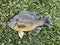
[[46, 36]]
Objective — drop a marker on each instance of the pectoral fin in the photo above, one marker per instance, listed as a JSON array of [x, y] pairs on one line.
[[35, 31], [21, 34]]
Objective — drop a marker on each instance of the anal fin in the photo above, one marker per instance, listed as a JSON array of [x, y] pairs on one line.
[[35, 31]]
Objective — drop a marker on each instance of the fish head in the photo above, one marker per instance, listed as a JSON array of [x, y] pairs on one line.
[[12, 22]]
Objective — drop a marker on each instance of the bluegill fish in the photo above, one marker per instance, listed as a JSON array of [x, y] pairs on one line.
[[28, 21]]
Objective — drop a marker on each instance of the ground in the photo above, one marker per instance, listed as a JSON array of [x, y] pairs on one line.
[[46, 36]]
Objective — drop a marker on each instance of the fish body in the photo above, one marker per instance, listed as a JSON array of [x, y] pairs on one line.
[[27, 21], [27, 25]]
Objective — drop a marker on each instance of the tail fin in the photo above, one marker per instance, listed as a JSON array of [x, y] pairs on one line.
[[47, 21]]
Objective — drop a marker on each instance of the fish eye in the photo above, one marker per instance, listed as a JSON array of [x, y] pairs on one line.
[[16, 19], [9, 21]]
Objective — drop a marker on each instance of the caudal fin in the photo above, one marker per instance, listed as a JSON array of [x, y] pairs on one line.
[[47, 21]]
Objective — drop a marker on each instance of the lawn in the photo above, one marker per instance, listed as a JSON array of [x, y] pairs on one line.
[[46, 36]]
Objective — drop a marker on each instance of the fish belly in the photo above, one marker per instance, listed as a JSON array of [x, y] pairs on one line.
[[24, 26]]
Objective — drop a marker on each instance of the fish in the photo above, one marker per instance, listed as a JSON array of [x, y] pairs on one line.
[[28, 21]]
